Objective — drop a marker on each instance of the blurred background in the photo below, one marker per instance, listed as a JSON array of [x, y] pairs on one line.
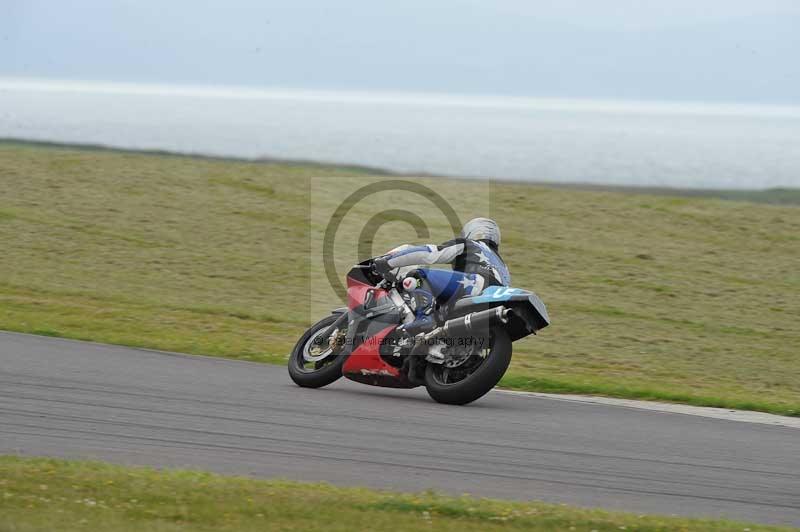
[[670, 94]]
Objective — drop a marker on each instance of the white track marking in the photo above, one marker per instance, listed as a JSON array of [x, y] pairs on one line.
[[745, 416]]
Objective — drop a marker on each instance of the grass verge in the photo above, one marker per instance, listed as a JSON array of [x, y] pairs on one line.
[[682, 299], [49, 494]]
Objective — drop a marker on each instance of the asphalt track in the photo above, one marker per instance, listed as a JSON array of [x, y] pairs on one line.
[[132, 406]]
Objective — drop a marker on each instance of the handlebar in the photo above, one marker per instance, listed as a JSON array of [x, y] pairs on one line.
[[368, 271]]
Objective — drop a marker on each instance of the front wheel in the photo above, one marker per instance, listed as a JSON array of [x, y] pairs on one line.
[[469, 372], [315, 361]]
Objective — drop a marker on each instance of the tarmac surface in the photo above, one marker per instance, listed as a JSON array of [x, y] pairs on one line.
[[131, 406]]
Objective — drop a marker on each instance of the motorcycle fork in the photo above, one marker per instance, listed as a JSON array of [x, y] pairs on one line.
[[335, 325]]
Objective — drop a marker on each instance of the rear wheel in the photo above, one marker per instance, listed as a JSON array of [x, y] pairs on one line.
[[315, 361], [468, 373]]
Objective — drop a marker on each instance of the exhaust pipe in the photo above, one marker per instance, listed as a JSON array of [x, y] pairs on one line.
[[474, 322]]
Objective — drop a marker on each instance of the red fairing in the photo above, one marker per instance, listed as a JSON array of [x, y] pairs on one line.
[[365, 364], [357, 292], [366, 358]]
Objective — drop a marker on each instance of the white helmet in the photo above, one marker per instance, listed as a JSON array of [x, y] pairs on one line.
[[482, 229]]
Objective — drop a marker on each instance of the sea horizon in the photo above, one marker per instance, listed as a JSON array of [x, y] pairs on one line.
[[692, 145]]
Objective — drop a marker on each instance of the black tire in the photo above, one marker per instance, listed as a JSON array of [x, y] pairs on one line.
[[477, 384], [318, 377]]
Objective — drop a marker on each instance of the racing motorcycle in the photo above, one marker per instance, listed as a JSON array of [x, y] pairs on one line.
[[463, 357]]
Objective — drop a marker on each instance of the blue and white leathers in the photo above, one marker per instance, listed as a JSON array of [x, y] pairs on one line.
[[475, 266], [466, 256]]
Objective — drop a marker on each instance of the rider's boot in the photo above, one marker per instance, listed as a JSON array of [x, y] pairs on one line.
[[422, 325]]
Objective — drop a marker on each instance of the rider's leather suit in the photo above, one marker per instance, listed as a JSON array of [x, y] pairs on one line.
[[475, 266]]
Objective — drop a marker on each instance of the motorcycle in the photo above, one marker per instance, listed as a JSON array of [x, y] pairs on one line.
[[458, 361]]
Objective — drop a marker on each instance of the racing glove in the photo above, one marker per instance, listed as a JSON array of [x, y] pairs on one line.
[[381, 266]]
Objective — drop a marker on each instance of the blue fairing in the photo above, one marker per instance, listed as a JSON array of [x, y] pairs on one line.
[[530, 312], [498, 293]]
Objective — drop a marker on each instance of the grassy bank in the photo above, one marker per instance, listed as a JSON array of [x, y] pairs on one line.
[[687, 299], [47, 494]]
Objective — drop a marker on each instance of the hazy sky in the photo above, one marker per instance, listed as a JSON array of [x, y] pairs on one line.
[[714, 50]]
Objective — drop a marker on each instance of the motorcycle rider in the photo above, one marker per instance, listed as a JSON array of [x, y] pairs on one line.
[[475, 257]]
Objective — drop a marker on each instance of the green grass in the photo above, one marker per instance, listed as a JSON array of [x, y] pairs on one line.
[[685, 299], [774, 196], [48, 494]]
